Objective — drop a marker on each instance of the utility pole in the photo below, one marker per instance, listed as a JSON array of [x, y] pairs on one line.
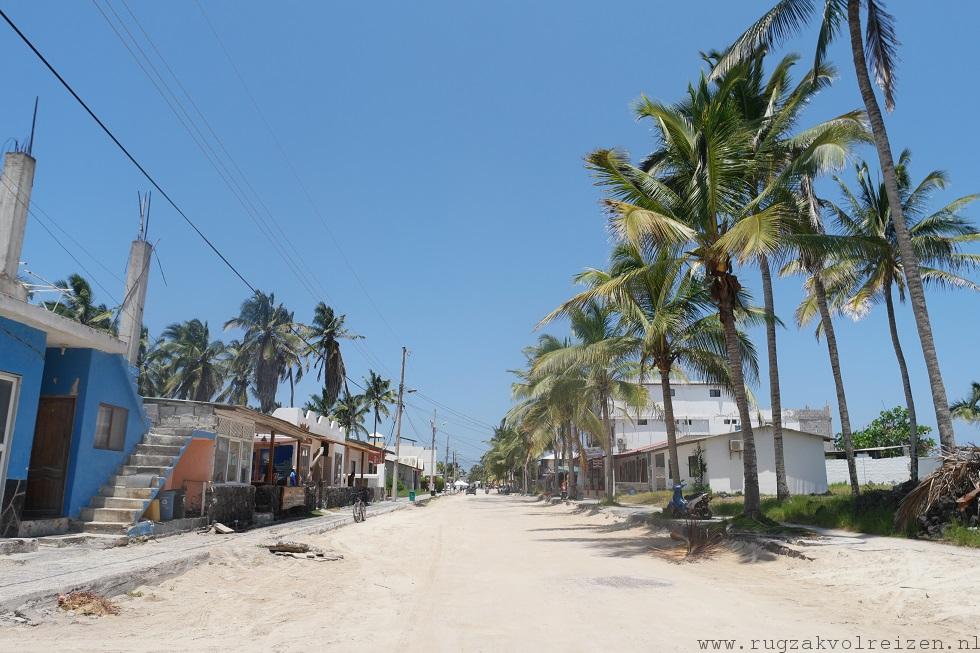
[[432, 470], [398, 429], [445, 466]]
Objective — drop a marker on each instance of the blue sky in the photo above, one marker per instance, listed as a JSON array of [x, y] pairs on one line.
[[442, 145]]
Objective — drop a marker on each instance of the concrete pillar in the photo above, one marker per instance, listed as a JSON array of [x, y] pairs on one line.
[[15, 197], [131, 315]]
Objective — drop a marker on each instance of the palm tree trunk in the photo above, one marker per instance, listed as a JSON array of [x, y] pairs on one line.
[[910, 262], [782, 487], [610, 443], [845, 419], [906, 386], [292, 389], [675, 473], [750, 467], [568, 461]]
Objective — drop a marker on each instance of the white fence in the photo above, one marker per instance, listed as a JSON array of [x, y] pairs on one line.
[[879, 470]]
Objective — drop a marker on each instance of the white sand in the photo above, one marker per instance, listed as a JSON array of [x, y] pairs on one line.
[[491, 573]]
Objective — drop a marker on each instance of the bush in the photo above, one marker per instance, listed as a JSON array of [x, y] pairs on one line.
[[440, 484]]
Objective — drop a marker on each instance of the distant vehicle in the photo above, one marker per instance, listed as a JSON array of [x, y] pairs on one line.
[[471, 489], [503, 489]]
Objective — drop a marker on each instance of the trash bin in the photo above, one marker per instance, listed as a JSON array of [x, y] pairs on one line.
[[411, 495], [179, 499], [167, 505]]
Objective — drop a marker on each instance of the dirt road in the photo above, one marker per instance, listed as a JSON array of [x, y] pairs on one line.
[[490, 573]]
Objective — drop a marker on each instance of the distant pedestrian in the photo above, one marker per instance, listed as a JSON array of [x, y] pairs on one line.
[[293, 479]]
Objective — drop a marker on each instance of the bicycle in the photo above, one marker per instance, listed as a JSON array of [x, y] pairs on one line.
[[359, 507]]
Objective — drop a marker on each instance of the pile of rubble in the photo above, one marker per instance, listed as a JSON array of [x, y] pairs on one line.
[[302, 551], [948, 495]]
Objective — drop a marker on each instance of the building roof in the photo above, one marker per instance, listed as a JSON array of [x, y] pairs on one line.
[[60, 331], [656, 446]]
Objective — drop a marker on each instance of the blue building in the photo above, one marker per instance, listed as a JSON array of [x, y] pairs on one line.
[[70, 413]]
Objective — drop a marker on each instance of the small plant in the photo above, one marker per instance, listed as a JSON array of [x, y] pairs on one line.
[[88, 603]]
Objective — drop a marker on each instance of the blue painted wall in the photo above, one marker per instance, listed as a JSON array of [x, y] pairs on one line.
[[93, 377], [22, 353]]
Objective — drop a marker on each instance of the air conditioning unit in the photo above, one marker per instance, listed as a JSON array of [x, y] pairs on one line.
[[735, 446]]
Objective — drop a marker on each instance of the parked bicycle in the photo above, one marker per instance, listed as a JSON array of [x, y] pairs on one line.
[[359, 505]]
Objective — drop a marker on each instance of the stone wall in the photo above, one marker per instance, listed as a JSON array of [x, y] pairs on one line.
[[181, 415], [231, 503]]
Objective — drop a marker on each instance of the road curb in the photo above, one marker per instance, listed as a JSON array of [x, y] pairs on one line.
[[157, 568]]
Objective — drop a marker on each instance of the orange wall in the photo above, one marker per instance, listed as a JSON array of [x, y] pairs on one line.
[[193, 467]]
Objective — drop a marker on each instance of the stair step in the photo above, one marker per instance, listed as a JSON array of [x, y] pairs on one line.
[[118, 515], [114, 528], [145, 460], [124, 503], [153, 470], [157, 449], [121, 491], [137, 480], [154, 438]]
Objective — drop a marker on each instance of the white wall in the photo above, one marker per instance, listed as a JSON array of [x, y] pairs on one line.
[[803, 453], [879, 470]]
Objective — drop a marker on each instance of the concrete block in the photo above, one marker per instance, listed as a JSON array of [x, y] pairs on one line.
[[42, 527], [17, 545]]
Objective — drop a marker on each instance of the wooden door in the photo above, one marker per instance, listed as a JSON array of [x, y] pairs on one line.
[[49, 457]]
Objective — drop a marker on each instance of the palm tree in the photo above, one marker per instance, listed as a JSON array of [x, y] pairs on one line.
[[553, 406], [694, 195], [324, 338], [349, 413], [813, 262], [317, 403], [968, 409], [195, 364], [788, 17], [272, 345], [605, 356], [151, 379], [667, 309], [772, 107], [378, 395], [936, 238], [77, 303], [239, 374]]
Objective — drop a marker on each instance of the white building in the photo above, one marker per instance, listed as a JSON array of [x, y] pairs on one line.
[[721, 456], [702, 409]]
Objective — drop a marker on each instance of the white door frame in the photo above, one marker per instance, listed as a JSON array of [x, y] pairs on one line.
[[8, 436]]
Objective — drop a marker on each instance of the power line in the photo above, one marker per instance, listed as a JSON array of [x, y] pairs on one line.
[[295, 263], [210, 244], [293, 170]]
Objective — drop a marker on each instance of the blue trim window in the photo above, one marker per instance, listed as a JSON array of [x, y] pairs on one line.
[[110, 427]]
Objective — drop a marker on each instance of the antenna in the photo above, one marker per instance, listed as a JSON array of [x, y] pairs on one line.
[[144, 209], [30, 141]]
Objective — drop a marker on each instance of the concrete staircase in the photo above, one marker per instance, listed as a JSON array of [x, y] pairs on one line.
[[123, 500]]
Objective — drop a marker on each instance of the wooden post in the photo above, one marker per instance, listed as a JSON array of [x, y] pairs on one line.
[[362, 466], [270, 476]]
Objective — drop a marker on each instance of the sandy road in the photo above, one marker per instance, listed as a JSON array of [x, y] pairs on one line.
[[490, 573]]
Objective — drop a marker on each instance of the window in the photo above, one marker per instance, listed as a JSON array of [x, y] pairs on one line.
[[714, 392], [220, 460], [303, 462], [683, 422], [641, 422], [692, 467], [234, 451], [673, 392], [8, 410], [110, 427], [658, 460]]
